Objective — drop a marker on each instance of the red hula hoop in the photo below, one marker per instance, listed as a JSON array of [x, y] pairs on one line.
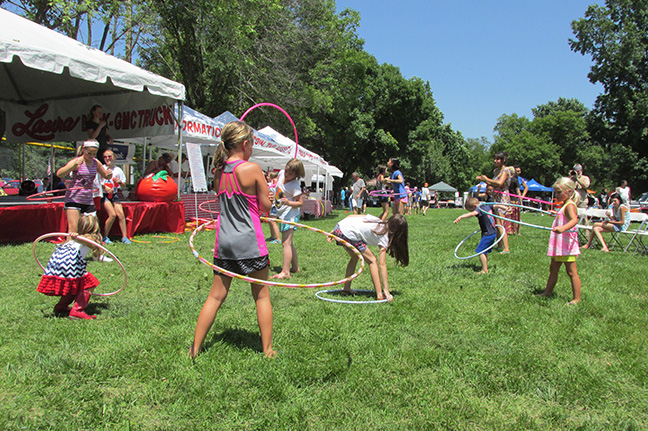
[[284, 112], [42, 197]]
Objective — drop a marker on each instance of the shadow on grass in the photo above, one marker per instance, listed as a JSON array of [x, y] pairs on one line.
[[241, 338], [370, 295], [93, 308], [467, 265]]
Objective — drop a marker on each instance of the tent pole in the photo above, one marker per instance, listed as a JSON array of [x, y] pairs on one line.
[[22, 164], [179, 156], [52, 166], [144, 155]]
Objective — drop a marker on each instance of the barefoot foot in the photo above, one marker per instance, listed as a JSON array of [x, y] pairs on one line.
[[270, 354]]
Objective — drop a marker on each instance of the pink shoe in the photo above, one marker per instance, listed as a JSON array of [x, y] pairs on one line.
[[78, 309], [63, 305]]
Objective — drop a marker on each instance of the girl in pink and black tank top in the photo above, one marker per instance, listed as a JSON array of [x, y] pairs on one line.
[[84, 169], [240, 246], [563, 242]]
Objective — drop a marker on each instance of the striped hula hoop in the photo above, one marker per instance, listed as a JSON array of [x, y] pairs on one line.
[[277, 283]]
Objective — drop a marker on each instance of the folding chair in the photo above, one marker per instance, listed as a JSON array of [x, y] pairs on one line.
[[585, 224], [619, 237], [639, 233]]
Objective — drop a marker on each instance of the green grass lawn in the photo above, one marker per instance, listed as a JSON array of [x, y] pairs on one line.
[[455, 350]]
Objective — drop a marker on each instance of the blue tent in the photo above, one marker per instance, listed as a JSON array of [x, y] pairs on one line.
[[479, 188], [535, 186]]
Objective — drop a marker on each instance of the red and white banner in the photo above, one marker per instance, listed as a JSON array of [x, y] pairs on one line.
[[128, 116]]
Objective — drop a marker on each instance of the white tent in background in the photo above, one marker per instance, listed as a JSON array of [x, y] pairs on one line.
[[48, 81], [313, 162], [266, 152]]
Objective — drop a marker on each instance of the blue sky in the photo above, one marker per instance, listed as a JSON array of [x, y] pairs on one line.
[[481, 58]]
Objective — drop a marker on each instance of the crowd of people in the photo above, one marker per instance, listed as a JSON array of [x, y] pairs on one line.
[[245, 193]]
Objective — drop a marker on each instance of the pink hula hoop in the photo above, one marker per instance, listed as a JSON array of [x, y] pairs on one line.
[[277, 283], [88, 242], [200, 207], [42, 197], [284, 112], [384, 193], [524, 197]]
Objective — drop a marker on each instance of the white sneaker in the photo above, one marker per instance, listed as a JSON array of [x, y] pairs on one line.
[[103, 258]]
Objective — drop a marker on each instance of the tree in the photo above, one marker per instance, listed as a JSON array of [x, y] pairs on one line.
[[615, 36], [123, 20]]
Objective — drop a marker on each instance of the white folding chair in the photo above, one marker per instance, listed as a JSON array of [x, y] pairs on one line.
[[638, 234], [586, 222], [618, 238]]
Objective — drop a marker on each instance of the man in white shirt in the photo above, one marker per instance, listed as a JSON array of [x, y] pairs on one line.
[[356, 194], [425, 198]]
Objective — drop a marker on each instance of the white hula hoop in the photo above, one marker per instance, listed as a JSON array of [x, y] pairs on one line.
[[481, 252], [575, 229], [343, 301]]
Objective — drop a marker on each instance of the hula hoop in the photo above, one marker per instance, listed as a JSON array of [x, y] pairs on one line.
[[200, 207], [175, 239], [524, 197], [320, 202], [41, 196], [519, 221], [284, 112], [277, 283], [481, 252], [384, 193], [342, 301], [88, 242]]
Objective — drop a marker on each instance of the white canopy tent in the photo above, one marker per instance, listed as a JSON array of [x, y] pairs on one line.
[[40, 68], [313, 163], [49, 82]]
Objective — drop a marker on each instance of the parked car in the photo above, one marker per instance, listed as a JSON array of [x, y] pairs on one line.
[[641, 203]]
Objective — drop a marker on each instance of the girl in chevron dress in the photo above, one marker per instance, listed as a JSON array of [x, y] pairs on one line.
[[66, 275]]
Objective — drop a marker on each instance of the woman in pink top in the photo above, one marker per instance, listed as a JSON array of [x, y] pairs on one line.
[[563, 242], [84, 169]]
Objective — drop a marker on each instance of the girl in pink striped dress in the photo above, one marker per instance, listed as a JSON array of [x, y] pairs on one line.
[[563, 242]]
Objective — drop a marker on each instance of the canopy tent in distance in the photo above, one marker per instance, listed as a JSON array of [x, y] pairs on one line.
[[535, 186], [442, 187]]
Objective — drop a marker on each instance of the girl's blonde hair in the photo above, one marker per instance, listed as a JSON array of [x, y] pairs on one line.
[[565, 183], [296, 167], [232, 136], [88, 227]]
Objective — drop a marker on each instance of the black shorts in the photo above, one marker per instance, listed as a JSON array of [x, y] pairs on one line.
[[115, 199], [82, 208], [242, 266]]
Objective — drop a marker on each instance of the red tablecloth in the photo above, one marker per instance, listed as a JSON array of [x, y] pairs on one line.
[[316, 208], [27, 222]]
